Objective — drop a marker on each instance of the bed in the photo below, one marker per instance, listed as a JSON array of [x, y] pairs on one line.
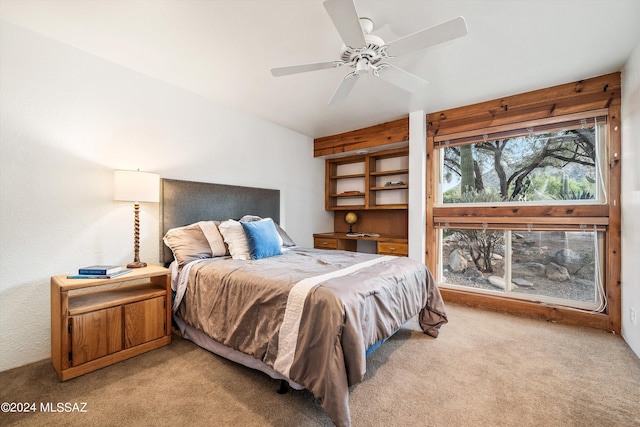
[[307, 317]]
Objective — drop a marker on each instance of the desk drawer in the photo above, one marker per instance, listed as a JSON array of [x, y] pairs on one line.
[[391, 248], [325, 243]]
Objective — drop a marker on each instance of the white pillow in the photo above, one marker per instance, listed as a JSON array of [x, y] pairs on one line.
[[213, 236], [234, 237]]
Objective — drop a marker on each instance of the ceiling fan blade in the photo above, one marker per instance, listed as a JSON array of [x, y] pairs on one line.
[[344, 89], [429, 37], [345, 18], [295, 69], [402, 79]]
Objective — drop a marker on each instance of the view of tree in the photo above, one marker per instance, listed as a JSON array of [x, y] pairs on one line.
[[467, 172], [481, 245], [558, 165], [548, 166]]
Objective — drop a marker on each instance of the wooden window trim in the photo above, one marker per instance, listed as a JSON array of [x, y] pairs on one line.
[[573, 101], [554, 124], [521, 223]]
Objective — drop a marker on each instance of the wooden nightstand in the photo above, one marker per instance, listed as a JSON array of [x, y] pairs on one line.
[[98, 322]]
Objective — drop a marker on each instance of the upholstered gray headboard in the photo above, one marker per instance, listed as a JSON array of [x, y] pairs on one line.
[[186, 202]]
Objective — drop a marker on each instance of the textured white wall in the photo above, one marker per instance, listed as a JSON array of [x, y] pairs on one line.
[[417, 185], [631, 199], [67, 120]]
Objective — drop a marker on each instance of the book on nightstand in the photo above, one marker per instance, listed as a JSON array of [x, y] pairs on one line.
[[99, 276], [100, 269]]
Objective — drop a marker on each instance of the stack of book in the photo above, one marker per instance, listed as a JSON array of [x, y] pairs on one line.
[[99, 272]]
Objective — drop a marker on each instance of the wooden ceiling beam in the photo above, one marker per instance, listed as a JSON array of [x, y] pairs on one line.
[[373, 136]]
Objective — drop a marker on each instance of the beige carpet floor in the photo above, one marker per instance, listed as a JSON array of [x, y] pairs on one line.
[[485, 369]]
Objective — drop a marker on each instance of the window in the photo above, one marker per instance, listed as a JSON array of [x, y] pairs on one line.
[[530, 178], [557, 267], [541, 257], [554, 164]]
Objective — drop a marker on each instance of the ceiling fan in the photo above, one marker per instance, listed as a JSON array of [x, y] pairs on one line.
[[365, 52]]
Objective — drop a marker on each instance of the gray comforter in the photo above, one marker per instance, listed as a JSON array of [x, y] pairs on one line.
[[311, 314]]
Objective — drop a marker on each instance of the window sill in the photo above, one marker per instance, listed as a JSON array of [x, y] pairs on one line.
[[559, 314]]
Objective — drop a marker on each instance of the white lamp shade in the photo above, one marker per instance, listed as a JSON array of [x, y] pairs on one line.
[[136, 186]]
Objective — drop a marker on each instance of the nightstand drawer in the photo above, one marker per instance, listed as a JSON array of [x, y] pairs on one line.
[[325, 243], [391, 248]]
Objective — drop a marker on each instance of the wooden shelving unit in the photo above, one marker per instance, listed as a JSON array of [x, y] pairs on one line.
[[345, 183], [98, 322], [358, 182]]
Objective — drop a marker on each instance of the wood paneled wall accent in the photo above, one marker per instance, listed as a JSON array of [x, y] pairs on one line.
[[387, 223], [613, 260], [592, 95], [584, 95], [373, 136]]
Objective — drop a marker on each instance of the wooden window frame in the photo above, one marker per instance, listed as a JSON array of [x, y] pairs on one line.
[[600, 95]]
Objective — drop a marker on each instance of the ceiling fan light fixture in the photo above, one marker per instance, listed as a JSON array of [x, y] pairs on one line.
[[362, 65], [366, 24], [374, 51], [370, 53]]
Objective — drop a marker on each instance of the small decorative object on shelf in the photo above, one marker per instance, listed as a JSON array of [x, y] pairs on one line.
[[98, 276], [394, 183], [350, 234], [100, 269], [350, 218]]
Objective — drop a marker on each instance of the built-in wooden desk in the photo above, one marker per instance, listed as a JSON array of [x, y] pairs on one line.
[[386, 245]]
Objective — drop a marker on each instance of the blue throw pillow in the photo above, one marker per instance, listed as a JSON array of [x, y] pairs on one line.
[[262, 238]]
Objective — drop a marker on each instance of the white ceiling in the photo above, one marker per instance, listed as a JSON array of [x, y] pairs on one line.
[[224, 50]]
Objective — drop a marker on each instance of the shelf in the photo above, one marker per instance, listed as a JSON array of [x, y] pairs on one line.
[[348, 208], [389, 207], [365, 173], [347, 195], [66, 284], [390, 172], [390, 187], [353, 175], [112, 297]]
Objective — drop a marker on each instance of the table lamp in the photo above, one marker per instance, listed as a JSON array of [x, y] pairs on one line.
[[136, 186]]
